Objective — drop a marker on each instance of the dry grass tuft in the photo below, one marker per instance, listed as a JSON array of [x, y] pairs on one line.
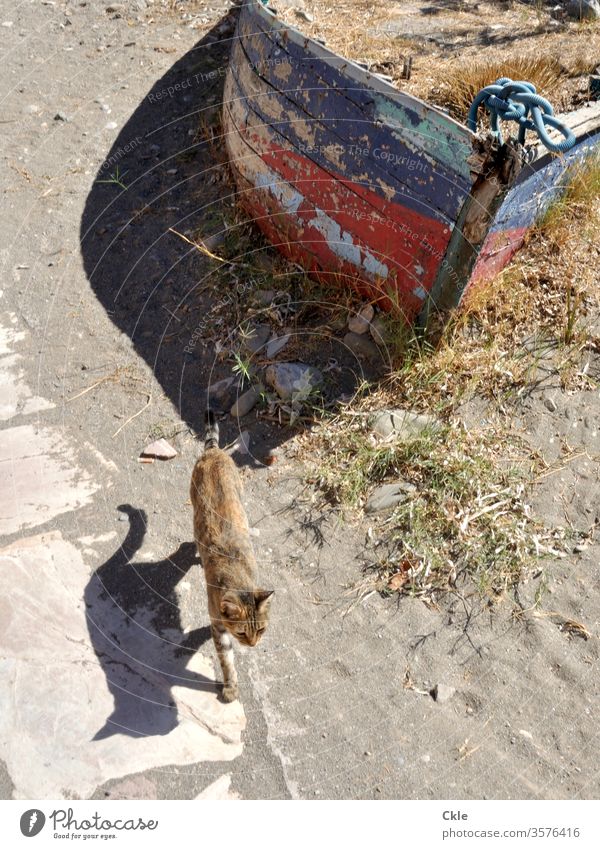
[[461, 84]]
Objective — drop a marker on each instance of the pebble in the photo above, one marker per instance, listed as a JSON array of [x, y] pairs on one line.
[[403, 422], [219, 389], [245, 403], [60, 116], [264, 297], [160, 449], [276, 345], [526, 734], [379, 330], [583, 10], [292, 379], [112, 125], [387, 496], [362, 346], [360, 322], [443, 692], [256, 338], [242, 446], [550, 404]]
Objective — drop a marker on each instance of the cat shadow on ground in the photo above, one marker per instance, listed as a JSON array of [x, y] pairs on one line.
[[134, 624]]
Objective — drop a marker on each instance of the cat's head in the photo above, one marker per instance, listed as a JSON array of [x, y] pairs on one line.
[[246, 614]]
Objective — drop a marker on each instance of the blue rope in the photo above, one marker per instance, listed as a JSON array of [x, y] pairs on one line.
[[517, 101]]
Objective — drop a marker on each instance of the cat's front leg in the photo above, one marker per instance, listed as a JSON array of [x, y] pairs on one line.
[[224, 649]]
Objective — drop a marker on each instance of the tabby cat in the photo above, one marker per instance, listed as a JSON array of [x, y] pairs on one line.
[[235, 605]]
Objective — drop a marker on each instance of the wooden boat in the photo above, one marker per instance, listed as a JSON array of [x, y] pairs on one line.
[[365, 185]]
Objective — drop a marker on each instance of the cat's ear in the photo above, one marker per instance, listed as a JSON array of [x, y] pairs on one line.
[[231, 607], [262, 599]]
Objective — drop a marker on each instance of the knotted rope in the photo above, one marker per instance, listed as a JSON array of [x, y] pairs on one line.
[[517, 101]]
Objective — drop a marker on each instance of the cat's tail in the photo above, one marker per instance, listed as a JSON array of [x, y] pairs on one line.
[[211, 434]]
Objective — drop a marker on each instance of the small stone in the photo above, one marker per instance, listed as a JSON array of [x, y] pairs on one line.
[[379, 330], [60, 116], [293, 381], [306, 16], [159, 450], [242, 446], [443, 692], [220, 389], [360, 322], [245, 403], [527, 734], [425, 758], [401, 422], [276, 345], [550, 404], [387, 496], [362, 346], [112, 125], [256, 338], [264, 297], [215, 241], [583, 10]]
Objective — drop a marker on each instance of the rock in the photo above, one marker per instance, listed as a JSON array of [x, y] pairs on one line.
[[245, 403], [360, 322], [583, 10], [387, 496], [443, 692], [402, 423], [306, 16], [159, 450], [220, 389], [60, 116], [293, 380], [241, 444], [276, 345], [264, 297], [362, 346], [256, 338], [215, 241], [380, 331], [550, 404]]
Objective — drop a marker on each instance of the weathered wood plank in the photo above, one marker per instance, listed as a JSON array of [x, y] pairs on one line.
[[429, 191], [447, 141], [302, 226]]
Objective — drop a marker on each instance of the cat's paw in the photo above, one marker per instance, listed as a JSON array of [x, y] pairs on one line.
[[230, 693]]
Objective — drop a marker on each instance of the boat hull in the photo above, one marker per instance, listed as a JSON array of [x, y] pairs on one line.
[[364, 185]]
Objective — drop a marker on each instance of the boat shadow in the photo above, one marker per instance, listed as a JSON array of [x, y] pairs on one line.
[[134, 624], [165, 173]]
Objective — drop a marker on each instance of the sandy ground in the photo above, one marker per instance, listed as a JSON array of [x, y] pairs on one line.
[[108, 680]]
